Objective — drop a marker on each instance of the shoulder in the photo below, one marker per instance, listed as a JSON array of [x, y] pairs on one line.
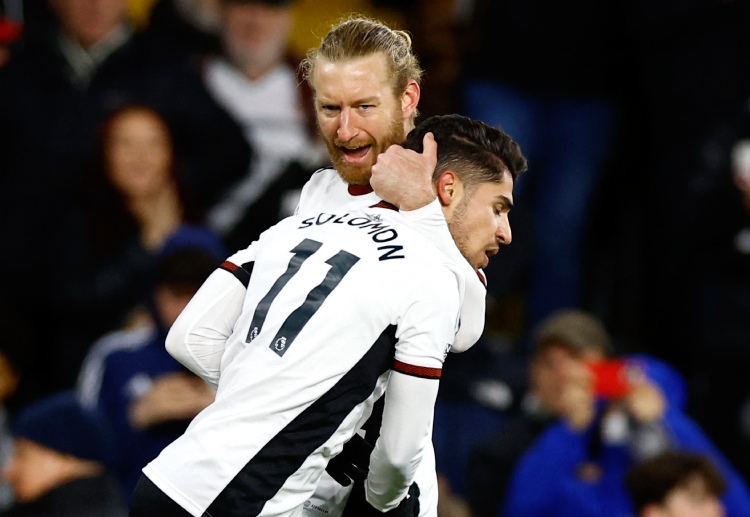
[[324, 176], [667, 377], [319, 189]]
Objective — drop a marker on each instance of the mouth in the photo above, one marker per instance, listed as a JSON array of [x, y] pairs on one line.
[[356, 155]]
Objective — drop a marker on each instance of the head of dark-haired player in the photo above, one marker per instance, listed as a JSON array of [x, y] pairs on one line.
[[477, 166]]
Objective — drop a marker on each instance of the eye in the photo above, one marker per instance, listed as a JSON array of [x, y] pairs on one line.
[[366, 107], [328, 107]]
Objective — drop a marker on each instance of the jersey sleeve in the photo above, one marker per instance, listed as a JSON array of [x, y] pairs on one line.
[[198, 337], [424, 335], [430, 222]]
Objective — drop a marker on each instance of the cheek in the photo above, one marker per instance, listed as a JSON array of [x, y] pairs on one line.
[[327, 127]]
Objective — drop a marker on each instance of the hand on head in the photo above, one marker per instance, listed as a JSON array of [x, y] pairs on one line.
[[404, 177], [645, 402]]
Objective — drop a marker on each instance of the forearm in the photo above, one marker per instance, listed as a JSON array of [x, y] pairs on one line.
[[407, 417], [197, 339]]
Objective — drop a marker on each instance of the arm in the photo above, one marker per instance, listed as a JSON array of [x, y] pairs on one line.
[[197, 339], [424, 333]]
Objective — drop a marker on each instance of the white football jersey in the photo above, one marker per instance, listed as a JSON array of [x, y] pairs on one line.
[[336, 302]]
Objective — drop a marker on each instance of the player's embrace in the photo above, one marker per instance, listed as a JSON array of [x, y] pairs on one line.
[[340, 309]]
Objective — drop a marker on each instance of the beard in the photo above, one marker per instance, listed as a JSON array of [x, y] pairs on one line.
[[458, 228], [359, 173]]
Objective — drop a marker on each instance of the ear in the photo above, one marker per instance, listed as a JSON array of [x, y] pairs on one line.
[[447, 187], [410, 99]]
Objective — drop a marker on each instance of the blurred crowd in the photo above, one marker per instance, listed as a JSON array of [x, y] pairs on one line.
[[143, 141]]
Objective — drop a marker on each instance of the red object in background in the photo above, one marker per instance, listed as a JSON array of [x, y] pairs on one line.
[[612, 377], [10, 31]]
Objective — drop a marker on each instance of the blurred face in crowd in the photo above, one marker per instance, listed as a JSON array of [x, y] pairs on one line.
[[691, 499], [139, 153], [33, 470], [478, 217], [553, 366], [89, 21], [358, 113], [255, 35], [170, 303], [201, 14]]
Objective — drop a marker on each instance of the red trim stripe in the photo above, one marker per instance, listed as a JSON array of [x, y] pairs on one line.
[[241, 273], [417, 371], [482, 278], [385, 204], [359, 190], [229, 266]]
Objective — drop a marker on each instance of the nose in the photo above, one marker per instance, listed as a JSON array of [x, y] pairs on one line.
[[504, 234], [347, 128]]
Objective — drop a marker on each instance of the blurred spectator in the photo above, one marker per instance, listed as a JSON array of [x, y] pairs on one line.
[[16, 357], [60, 462], [674, 484], [133, 201], [11, 28], [723, 328], [604, 424], [559, 337], [184, 27], [54, 93], [479, 390], [683, 126], [147, 396], [255, 80], [556, 89]]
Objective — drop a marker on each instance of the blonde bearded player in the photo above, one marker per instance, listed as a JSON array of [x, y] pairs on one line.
[[366, 84]]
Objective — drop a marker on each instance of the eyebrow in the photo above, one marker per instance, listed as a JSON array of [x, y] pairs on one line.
[[505, 201], [365, 100]]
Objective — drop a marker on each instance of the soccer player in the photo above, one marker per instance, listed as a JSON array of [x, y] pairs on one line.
[[341, 307]]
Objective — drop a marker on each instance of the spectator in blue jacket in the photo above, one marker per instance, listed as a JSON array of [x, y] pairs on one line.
[[577, 466], [129, 376]]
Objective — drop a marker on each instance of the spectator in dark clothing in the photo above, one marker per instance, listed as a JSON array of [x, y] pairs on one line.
[[133, 201], [144, 393], [557, 89], [53, 95], [721, 354], [60, 462], [185, 27], [256, 81]]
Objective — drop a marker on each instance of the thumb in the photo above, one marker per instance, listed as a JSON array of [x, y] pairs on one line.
[[429, 147]]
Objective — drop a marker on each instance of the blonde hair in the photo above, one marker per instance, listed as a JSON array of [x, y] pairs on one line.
[[357, 36]]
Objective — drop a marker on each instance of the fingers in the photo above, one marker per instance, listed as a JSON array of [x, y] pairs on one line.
[[429, 147]]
